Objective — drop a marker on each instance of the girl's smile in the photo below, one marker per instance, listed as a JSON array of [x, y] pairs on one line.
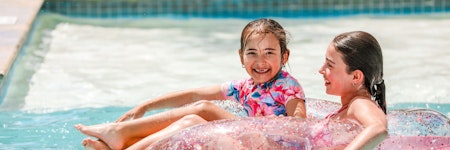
[[261, 71], [327, 82], [334, 71]]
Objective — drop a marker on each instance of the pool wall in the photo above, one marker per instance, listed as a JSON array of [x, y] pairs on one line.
[[16, 19], [242, 8]]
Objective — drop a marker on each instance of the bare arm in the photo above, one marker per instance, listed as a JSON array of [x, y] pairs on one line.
[[296, 107], [174, 99], [374, 122]]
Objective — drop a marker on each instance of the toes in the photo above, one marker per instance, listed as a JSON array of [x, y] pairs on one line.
[[78, 126]]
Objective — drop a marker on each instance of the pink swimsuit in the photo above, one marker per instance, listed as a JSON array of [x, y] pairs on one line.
[[334, 132]]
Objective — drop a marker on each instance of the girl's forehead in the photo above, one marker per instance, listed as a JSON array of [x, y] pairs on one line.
[[330, 50], [258, 37], [265, 40], [333, 54], [259, 34]]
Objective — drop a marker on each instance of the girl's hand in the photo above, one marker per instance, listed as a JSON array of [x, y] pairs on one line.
[[275, 116], [136, 112]]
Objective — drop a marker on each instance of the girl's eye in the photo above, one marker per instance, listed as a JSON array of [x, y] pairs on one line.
[[329, 65], [269, 53], [250, 53]]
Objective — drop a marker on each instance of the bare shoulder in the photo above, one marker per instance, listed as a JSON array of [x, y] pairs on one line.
[[364, 107], [366, 112]]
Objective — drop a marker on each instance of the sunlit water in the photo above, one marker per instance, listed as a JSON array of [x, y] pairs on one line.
[[91, 71]]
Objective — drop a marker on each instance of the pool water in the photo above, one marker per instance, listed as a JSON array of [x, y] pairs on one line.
[[74, 70]]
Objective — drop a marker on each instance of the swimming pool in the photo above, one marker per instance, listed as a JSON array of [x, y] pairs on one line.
[[69, 72]]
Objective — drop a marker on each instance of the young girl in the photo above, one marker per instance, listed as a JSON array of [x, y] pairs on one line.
[[269, 91], [353, 70]]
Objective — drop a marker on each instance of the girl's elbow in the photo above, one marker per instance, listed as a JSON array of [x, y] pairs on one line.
[[382, 131], [300, 114], [381, 127]]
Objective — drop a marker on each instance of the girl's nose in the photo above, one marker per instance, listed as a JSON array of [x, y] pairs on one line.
[[321, 70]]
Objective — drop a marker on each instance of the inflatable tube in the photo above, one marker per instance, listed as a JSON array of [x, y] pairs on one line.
[[418, 122], [408, 129], [416, 142], [317, 108], [261, 133], [406, 122]]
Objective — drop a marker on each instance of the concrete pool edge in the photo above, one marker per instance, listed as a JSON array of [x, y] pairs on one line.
[[16, 20]]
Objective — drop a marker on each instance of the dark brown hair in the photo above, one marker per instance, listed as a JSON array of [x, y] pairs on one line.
[[264, 26], [361, 51]]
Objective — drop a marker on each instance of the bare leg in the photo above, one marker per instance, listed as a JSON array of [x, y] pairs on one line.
[[115, 135], [185, 122]]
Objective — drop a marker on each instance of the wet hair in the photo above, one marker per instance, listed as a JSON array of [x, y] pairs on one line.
[[361, 51], [264, 26]]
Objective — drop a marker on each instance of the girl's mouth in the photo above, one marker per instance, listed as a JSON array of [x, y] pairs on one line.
[[327, 82], [261, 71]]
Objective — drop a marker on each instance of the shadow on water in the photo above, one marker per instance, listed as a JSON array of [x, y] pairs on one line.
[[34, 50]]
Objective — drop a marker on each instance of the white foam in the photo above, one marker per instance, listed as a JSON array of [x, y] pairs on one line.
[[95, 66]]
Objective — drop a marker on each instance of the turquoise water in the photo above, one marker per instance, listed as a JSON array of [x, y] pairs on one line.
[[93, 70], [24, 130]]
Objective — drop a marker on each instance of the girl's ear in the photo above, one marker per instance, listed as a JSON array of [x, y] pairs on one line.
[[358, 77], [285, 57], [241, 56]]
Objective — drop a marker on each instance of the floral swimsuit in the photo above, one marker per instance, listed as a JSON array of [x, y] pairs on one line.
[[267, 98]]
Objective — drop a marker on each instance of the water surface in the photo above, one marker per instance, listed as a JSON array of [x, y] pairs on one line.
[[91, 71]]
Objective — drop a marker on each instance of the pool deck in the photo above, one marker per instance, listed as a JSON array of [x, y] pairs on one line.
[[16, 19]]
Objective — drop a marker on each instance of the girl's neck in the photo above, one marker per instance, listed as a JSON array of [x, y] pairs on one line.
[[348, 98]]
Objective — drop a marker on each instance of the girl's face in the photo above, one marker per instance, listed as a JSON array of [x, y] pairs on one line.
[[334, 70], [261, 57]]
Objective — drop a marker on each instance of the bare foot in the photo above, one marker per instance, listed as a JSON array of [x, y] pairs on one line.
[[108, 133], [91, 144]]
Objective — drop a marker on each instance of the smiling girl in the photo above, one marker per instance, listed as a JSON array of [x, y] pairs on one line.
[[269, 91], [353, 70]]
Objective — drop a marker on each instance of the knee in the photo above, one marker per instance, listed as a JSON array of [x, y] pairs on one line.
[[190, 120], [204, 106]]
